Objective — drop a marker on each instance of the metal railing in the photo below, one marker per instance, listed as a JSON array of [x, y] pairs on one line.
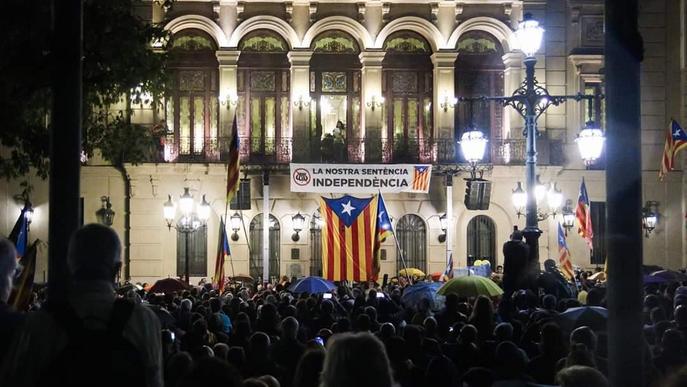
[[283, 150]]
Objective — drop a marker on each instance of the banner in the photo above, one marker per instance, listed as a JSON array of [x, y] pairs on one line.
[[360, 178]]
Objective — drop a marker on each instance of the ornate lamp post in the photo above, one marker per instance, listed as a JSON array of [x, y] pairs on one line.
[[530, 100], [192, 218]]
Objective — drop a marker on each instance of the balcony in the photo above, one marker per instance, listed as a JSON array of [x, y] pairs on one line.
[[283, 150], [268, 150]]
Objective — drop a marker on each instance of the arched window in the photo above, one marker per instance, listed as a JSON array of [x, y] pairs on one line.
[[412, 237], [191, 111], [262, 112], [335, 109], [479, 71], [407, 87], [316, 244], [482, 239], [256, 247]]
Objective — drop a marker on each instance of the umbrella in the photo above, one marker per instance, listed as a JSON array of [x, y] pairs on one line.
[[592, 316], [125, 288], [168, 285], [670, 275], [312, 285], [412, 295], [471, 286], [411, 272], [653, 279], [243, 278]]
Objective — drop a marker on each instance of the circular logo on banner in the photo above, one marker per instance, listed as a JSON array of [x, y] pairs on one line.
[[301, 176]]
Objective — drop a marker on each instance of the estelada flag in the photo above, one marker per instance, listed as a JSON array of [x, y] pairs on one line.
[[564, 255], [383, 231], [584, 216], [21, 294], [20, 233], [233, 167], [223, 253], [676, 140], [348, 238]]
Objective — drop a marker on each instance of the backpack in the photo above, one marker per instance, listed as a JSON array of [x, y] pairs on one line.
[[95, 357]]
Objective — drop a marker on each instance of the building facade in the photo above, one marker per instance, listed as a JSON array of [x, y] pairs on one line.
[[374, 82]]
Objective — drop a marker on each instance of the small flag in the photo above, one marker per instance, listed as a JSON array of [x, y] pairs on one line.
[[348, 238], [449, 268], [564, 255], [21, 294], [676, 140], [384, 230], [20, 232], [421, 175], [223, 253], [233, 167], [584, 216]]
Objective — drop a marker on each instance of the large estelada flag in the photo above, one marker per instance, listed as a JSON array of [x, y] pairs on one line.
[[676, 140], [584, 216], [349, 238], [564, 255], [223, 253]]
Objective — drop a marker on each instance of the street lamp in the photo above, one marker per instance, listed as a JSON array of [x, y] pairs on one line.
[[443, 220], [568, 216], [298, 221], [105, 214], [189, 221], [531, 100], [235, 221], [649, 217], [473, 144], [550, 192]]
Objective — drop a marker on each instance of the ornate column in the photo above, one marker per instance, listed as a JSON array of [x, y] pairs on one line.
[[512, 77], [444, 93], [373, 119], [228, 71], [300, 100]]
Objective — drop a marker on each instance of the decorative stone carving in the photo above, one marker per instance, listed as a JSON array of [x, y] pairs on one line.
[[386, 7], [435, 12], [592, 30], [313, 12], [362, 8], [288, 6]]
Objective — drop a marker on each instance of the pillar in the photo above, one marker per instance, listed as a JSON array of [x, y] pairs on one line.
[[512, 78], [228, 75], [304, 147], [373, 119], [444, 93], [65, 142], [623, 50]]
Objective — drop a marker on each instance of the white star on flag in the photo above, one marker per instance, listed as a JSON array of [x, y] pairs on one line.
[[347, 208]]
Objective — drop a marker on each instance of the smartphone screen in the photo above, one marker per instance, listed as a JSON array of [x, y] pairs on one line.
[[319, 340], [327, 295], [380, 295]]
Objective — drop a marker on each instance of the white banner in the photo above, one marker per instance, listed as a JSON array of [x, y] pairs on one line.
[[360, 178]]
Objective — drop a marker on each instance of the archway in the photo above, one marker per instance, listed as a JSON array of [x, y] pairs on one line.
[[481, 239], [411, 232]]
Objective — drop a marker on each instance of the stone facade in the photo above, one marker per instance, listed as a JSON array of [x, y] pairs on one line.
[[570, 61]]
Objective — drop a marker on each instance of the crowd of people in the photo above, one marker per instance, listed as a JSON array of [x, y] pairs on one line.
[[265, 336]]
